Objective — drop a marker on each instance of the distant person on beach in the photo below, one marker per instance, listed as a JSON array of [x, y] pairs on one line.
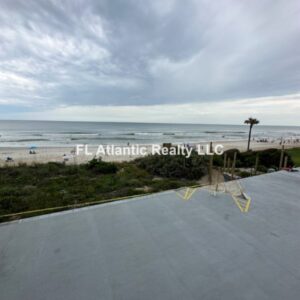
[[65, 158]]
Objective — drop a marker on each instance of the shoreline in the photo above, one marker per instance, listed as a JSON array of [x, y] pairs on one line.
[[66, 154]]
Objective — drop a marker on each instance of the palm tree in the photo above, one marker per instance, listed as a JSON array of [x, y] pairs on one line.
[[251, 122]]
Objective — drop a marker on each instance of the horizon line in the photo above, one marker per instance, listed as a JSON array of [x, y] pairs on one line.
[[136, 122]]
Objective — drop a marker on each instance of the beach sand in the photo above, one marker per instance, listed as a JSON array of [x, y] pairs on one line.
[[61, 154]]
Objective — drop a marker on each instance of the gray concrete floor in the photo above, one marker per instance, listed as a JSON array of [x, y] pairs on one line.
[[161, 247]]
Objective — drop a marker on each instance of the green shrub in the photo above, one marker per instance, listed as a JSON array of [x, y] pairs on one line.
[[165, 185], [244, 174], [26, 188], [295, 155], [102, 167], [262, 169], [268, 158], [174, 166]]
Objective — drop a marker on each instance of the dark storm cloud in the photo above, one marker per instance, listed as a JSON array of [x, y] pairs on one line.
[[146, 52]]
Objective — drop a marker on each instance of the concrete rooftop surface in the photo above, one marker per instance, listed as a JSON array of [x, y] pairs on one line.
[[161, 247]]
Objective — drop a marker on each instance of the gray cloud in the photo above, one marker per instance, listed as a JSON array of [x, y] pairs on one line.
[[146, 52]]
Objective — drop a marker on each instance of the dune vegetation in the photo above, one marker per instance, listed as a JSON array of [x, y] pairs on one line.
[[26, 188]]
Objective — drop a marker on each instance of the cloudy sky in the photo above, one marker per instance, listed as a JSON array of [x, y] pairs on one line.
[[180, 61]]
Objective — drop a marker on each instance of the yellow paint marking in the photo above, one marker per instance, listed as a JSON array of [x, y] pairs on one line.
[[187, 193], [248, 202], [241, 204], [179, 195], [191, 193], [238, 203]]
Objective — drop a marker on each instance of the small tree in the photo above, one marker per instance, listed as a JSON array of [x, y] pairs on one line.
[[251, 122]]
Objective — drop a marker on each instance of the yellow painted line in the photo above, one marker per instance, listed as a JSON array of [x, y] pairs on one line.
[[191, 193], [238, 203], [248, 204], [186, 193], [181, 196]]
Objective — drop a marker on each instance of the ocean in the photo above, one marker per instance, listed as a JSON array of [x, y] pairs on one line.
[[56, 134]]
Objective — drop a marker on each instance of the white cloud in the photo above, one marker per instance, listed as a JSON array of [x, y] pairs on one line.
[[12, 81], [115, 56]]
